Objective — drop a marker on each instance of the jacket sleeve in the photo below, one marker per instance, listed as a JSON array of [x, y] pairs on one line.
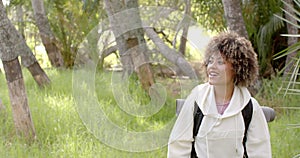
[[180, 141], [258, 137]]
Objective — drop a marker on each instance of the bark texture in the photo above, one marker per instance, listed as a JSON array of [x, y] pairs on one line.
[[185, 29], [234, 17], [46, 34], [20, 16], [17, 93], [39, 75], [127, 28], [11, 43]]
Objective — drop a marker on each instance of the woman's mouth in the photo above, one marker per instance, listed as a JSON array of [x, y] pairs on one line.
[[212, 74]]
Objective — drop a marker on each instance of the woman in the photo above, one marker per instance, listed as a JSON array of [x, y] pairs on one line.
[[231, 66]]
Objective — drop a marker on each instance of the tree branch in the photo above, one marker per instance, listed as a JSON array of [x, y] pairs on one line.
[[171, 54]]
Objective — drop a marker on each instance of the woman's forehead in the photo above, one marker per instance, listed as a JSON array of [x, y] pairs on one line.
[[216, 55]]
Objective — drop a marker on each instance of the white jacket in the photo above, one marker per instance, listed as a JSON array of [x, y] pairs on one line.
[[219, 136]]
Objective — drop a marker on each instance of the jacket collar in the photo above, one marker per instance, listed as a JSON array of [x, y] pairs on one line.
[[206, 100]]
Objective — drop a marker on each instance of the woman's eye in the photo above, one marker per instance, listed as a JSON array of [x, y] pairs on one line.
[[220, 62]]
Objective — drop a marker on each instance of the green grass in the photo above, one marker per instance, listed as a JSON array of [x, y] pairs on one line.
[[62, 134], [59, 129], [285, 129], [285, 135]]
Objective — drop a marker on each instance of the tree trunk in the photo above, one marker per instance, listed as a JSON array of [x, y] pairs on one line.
[[46, 34], [38, 74], [10, 44], [185, 29], [20, 17], [106, 52], [234, 17], [14, 39], [290, 59], [127, 27], [17, 93], [28, 59], [30, 62]]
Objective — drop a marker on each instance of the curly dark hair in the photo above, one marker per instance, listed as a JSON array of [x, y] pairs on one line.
[[239, 52]]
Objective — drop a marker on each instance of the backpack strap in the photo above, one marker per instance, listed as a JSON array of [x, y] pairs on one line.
[[198, 116], [247, 115]]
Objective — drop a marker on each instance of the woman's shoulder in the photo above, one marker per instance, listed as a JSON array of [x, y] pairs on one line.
[[255, 104]]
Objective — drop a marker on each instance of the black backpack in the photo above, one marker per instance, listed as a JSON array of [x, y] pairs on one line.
[[198, 116]]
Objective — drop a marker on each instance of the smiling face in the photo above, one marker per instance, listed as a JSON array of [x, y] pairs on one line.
[[219, 71]]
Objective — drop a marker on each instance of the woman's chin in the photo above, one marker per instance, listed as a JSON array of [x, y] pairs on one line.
[[211, 82]]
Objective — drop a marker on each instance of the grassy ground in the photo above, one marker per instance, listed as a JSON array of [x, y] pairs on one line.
[[61, 132]]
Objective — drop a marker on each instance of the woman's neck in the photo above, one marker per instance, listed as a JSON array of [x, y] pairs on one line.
[[223, 94]]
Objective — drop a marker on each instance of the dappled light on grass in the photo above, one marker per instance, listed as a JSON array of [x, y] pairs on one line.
[[61, 132]]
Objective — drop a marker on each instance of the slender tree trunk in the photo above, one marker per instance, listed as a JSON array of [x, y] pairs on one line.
[[27, 58], [290, 60], [185, 29], [46, 34], [17, 93], [21, 49], [131, 44], [20, 17], [10, 44], [234, 17], [39, 74]]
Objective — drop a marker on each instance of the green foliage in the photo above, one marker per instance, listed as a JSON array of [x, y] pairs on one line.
[[176, 4], [71, 21], [209, 14], [19, 2], [263, 29], [60, 130]]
